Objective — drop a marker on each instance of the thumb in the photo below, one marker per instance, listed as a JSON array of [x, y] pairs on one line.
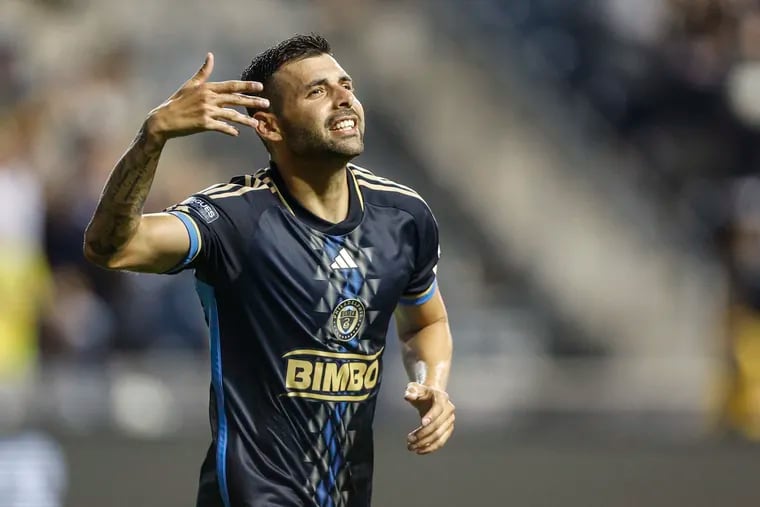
[[416, 391], [205, 71]]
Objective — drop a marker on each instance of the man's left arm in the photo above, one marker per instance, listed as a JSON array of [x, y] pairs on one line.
[[426, 351]]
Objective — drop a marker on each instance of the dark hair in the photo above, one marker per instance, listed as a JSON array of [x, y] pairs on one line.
[[294, 48]]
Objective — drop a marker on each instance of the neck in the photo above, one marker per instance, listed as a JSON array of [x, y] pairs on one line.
[[319, 186]]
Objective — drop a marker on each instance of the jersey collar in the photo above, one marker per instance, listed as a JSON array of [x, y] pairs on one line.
[[355, 205]]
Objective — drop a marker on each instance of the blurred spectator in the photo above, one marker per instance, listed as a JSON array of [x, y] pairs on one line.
[[24, 277], [80, 325], [741, 246]]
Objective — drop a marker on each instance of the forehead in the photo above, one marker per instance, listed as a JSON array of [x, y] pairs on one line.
[[297, 74]]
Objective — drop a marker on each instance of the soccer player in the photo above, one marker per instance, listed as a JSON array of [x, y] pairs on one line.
[[299, 268]]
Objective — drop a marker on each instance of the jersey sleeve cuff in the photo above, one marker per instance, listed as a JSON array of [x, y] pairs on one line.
[[421, 298], [195, 241]]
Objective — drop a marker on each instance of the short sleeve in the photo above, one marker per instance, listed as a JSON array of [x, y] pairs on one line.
[[422, 284], [213, 238]]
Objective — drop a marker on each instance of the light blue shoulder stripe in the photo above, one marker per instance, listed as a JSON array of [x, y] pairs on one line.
[[420, 299], [195, 240]]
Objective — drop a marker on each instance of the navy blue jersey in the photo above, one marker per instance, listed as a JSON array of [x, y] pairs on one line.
[[298, 309]]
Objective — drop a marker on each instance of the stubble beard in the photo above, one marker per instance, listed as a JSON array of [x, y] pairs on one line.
[[308, 143]]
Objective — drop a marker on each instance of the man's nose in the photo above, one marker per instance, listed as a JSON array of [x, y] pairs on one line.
[[344, 98]]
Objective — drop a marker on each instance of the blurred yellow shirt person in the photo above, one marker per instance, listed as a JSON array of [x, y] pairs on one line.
[[742, 410], [24, 274], [740, 241], [24, 280]]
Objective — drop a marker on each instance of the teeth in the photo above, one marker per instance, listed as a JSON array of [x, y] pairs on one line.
[[344, 124]]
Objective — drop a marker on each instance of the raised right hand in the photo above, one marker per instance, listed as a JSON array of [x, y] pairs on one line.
[[198, 106]]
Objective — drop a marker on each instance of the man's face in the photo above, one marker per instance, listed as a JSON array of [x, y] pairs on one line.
[[319, 115]]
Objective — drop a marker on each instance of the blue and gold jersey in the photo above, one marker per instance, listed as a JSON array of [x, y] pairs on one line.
[[298, 310]]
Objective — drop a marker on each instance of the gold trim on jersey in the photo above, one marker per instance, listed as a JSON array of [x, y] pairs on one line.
[[261, 180], [367, 178], [356, 186], [328, 397], [216, 189], [213, 187], [234, 193], [179, 207], [258, 181], [276, 191], [386, 188], [368, 175], [334, 355]]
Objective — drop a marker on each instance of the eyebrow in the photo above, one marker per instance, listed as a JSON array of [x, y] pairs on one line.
[[323, 81]]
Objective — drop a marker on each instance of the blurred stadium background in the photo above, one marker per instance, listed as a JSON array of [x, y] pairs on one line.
[[593, 166]]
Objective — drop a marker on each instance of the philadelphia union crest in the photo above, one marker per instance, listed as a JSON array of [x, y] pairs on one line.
[[347, 319]]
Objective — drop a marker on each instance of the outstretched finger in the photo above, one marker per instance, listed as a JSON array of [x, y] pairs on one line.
[[220, 126], [235, 86], [205, 71], [236, 116], [236, 99]]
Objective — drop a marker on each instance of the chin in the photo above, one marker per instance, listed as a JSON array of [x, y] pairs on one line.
[[352, 149]]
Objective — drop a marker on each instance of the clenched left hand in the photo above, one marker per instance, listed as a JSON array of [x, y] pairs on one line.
[[437, 414]]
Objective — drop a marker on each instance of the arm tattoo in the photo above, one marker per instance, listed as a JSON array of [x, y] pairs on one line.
[[120, 207]]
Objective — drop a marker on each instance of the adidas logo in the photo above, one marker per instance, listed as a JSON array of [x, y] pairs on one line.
[[344, 261]]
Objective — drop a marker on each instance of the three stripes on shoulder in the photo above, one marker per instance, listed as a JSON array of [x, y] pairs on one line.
[[259, 181], [262, 181], [366, 178]]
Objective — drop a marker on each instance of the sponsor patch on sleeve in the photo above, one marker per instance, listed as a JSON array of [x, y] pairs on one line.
[[203, 209]]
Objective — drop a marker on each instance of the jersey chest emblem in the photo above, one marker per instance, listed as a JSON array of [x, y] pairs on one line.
[[347, 319]]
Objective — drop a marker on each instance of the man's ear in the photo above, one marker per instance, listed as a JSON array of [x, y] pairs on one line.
[[268, 127]]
